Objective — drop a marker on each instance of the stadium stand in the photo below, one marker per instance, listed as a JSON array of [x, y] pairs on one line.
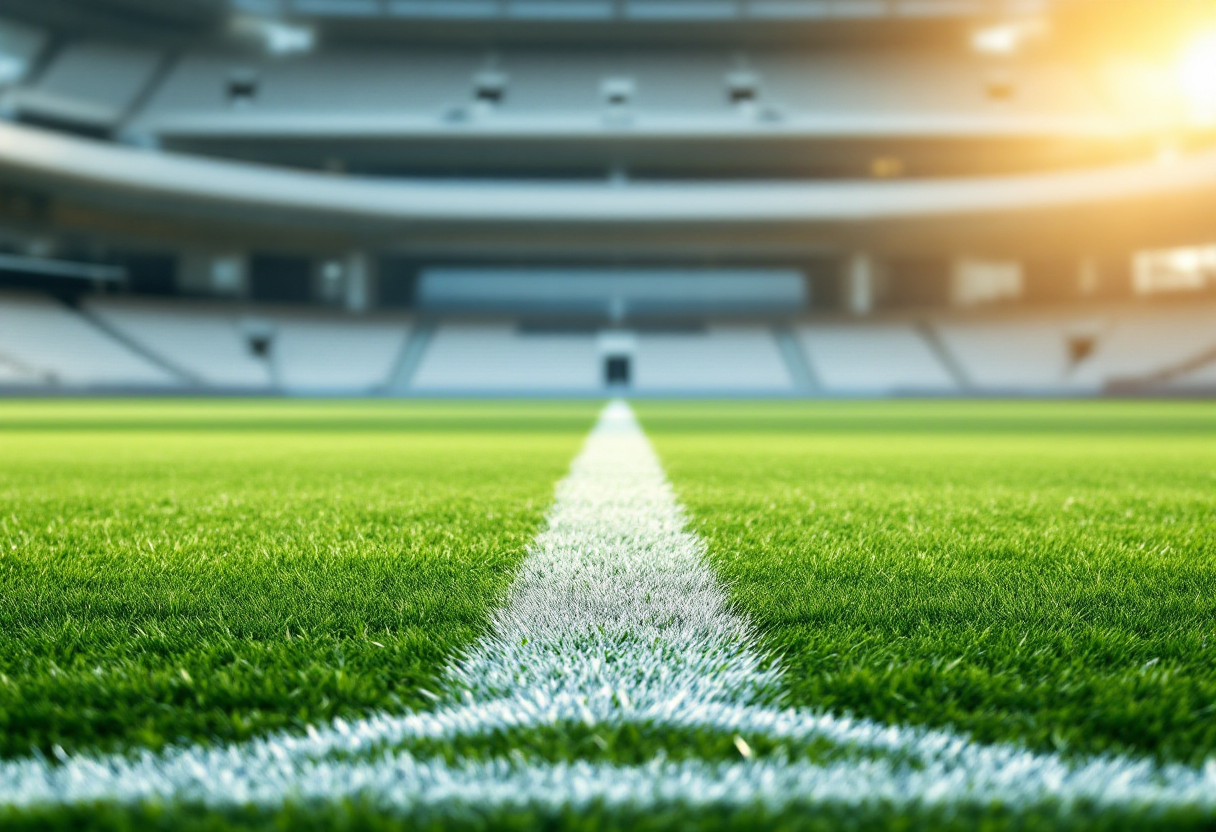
[[736, 197], [1028, 352], [110, 342], [738, 360], [45, 343], [16, 375], [474, 358], [208, 94], [1148, 345], [316, 353], [88, 86], [497, 110], [293, 351], [1200, 379], [721, 359], [873, 359], [867, 92], [215, 345]]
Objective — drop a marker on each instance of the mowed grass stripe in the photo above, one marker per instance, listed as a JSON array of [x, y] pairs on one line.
[[212, 585], [1039, 573]]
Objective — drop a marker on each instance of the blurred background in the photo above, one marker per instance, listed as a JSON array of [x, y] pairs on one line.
[[574, 197]]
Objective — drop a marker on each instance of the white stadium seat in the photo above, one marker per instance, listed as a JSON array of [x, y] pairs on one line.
[[1027, 351], [497, 357], [205, 341], [378, 90], [90, 83], [306, 352], [872, 359], [331, 353], [42, 341], [1146, 342], [719, 359]]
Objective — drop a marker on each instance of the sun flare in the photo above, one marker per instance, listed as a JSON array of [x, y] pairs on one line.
[[1197, 76]]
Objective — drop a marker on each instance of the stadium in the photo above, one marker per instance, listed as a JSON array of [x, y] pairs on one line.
[[607, 414]]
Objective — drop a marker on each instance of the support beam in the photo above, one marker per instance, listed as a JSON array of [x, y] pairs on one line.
[[859, 284]]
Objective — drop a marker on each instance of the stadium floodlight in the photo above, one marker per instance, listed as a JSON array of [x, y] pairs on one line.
[[278, 36], [1197, 76]]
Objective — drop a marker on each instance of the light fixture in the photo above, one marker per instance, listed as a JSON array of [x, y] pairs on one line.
[[277, 36]]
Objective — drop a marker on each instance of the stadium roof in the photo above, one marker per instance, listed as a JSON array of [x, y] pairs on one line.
[[573, 11], [642, 9]]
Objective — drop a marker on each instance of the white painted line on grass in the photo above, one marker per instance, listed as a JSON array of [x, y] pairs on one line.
[[615, 601], [402, 782], [614, 619]]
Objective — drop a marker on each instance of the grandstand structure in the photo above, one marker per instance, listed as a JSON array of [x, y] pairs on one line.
[[568, 197]]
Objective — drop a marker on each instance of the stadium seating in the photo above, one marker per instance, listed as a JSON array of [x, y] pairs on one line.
[[479, 357], [294, 351], [1079, 353], [202, 94], [1201, 379], [892, 91], [675, 145], [689, 132], [89, 84], [1029, 352], [371, 94], [720, 359], [123, 342], [474, 358], [1147, 344], [207, 343], [872, 359], [334, 354], [43, 342]]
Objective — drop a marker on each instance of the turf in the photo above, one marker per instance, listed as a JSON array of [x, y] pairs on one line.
[[1040, 573], [175, 571], [1032, 572]]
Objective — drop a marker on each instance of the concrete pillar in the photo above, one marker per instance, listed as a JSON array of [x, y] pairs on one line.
[[358, 280], [213, 273], [859, 284]]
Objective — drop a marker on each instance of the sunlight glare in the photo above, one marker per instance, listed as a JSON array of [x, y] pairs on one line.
[[1197, 75]]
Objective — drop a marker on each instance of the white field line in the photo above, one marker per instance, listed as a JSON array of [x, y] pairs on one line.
[[614, 619], [615, 600]]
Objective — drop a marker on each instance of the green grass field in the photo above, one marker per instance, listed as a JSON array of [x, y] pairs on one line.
[[1037, 573], [210, 571], [1040, 572]]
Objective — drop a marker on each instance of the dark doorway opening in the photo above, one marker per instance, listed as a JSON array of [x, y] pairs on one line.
[[280, 277], [259, 345], [616, 370]]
